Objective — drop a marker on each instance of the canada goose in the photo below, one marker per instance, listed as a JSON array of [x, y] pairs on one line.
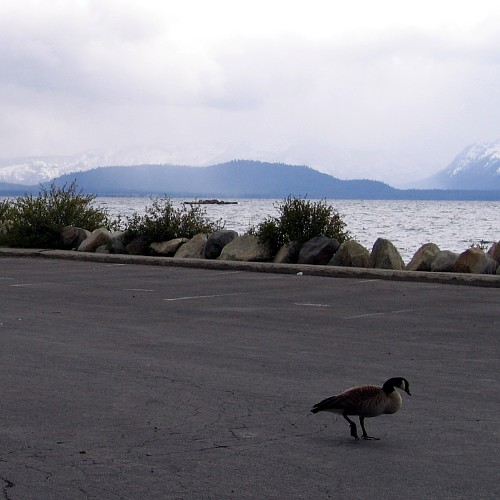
[[366, 401]]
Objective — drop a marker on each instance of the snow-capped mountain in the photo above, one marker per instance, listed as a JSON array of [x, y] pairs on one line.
[[34, 170], [476, 167]]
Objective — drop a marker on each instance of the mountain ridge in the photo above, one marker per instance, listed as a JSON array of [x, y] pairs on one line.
[[246, 179], [375, 165], [476, 167], [238, 179]]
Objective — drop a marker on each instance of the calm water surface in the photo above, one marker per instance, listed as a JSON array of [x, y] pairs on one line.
[[452, 225]]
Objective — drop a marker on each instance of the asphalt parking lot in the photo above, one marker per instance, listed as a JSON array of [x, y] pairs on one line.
[[135, 381]]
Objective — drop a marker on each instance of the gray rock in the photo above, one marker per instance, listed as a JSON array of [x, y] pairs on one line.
[[385, 255], [318, 250], [423, 258], [475, 261], [167, 248], [96, 239], [494, 251], [117, 242], [350, 254], [103, 249], [138, 246], [194, 248], [72, 237], [217, 241], [246, 248], [288, 253], [444, 261]]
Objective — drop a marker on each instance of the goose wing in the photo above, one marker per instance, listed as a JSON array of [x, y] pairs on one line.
[[348, 401]]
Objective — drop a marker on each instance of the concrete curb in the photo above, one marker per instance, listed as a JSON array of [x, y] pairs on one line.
[[483, 280]]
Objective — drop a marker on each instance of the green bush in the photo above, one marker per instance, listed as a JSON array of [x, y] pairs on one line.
[[37, 221], [5, 210], [299, 220], [163, 222]]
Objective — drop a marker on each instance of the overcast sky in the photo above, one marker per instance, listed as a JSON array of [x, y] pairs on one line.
[[409, 82]]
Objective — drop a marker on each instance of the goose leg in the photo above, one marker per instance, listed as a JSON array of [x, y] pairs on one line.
[[365, 435], [352, 425]]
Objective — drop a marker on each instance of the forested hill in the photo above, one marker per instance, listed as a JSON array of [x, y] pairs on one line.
[[242, 179], [10, 189], [239, 179]]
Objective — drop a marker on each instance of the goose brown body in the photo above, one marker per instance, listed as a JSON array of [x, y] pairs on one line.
[[365, 401]]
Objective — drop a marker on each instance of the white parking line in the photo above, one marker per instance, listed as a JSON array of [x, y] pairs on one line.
[[194, 297], [384, 313], [31, 284], [310, 304]]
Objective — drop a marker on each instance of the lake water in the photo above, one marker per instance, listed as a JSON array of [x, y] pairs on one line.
[[452, 225]]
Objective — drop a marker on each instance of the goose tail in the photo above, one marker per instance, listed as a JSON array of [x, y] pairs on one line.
[[325, 405]]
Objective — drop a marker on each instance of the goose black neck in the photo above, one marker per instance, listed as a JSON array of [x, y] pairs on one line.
[[389, 386]]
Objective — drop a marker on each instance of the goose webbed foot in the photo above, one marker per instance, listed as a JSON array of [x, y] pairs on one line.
[[365, 435]]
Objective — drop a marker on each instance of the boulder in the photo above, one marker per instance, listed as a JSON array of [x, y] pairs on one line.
[[96, 239], [72, 237], [318, 250], [194, 248], [117, 242], [350, 254], [288, 253], [444, 261], [103, 249], [494, 251], [167, 248], [475, 261], [423, 258], [138, 246], [246, 248], [217, 241], [385, 256]]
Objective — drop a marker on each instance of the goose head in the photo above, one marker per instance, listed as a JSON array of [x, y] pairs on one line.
[[397, 382]]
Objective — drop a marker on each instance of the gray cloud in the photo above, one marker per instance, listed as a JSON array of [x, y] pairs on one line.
[[85, 75]]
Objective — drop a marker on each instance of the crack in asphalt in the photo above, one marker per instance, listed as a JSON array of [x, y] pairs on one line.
[[8, 484]]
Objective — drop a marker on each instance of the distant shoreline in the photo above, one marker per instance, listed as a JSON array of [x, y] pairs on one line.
[[403, 195]]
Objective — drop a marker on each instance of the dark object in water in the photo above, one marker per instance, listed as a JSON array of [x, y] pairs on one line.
[[212, 201]]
